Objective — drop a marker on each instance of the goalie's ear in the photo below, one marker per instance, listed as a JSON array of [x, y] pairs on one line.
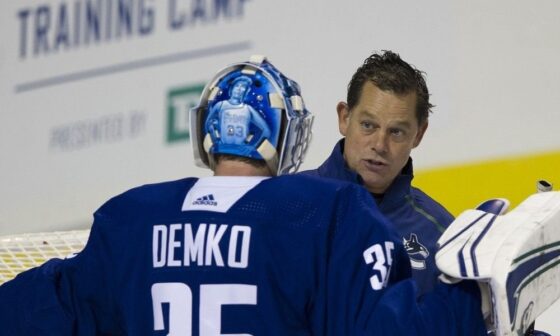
[[496, 206]]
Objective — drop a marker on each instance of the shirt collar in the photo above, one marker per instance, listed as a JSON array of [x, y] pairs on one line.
[[335, 167]]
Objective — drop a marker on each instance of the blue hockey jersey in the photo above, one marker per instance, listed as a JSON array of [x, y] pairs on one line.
[[290, 255]]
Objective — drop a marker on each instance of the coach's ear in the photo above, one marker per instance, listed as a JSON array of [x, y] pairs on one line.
[[420, 134], [343, 117]]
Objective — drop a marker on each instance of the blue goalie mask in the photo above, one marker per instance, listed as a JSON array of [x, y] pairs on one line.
[[252, 110]]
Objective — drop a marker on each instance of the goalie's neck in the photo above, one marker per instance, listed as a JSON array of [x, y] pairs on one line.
[[239, 168]]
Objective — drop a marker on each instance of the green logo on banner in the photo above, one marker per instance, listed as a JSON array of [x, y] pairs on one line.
[[179, 102]]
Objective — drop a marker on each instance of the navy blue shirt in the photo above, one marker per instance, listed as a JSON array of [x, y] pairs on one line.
[[418, 218], [292, 255]]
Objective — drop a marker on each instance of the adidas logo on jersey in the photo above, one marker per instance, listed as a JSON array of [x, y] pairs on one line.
[[205, 200]]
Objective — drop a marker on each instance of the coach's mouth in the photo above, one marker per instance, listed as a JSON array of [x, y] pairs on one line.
[[374, 165]]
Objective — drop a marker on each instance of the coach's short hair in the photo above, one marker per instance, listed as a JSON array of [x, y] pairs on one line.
[[389, 72]]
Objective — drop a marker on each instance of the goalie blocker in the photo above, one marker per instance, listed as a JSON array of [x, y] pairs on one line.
[[517, 255]]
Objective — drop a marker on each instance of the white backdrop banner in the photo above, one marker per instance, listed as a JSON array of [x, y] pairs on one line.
[[94, 94]]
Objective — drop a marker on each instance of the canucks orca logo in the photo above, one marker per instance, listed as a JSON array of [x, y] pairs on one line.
[[416, 252]]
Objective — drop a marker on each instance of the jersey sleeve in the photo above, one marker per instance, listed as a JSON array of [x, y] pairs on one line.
[[63, 297], [370, 287]]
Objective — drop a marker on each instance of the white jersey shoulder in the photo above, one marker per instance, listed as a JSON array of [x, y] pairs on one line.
[[219, 193]]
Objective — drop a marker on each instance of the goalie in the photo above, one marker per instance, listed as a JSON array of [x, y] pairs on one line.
[[245, 253]]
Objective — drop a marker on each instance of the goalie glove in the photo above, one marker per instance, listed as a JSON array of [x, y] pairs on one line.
[[517, 256]]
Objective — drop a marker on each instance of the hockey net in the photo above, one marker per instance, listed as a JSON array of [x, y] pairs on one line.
[[21, 252]]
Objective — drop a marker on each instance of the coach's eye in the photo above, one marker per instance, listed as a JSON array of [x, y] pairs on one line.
[[366, 125], [398, 134]]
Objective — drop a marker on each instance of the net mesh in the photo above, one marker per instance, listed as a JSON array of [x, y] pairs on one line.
[[21, 252]]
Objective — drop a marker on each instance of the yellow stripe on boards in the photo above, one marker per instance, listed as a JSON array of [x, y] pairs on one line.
[[465, 186]]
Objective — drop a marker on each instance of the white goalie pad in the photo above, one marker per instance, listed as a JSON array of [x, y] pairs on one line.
[[516, 254]]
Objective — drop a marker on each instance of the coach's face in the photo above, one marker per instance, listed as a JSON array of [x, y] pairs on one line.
[[381, 130]]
